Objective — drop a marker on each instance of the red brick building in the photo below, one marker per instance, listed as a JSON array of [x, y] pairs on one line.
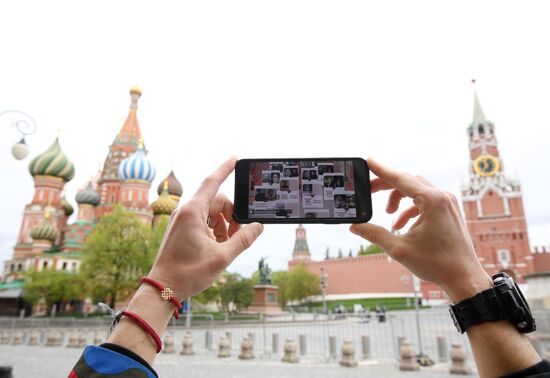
[[495, 217]]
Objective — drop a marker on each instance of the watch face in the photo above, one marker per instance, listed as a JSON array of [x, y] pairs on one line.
[[486, 165]]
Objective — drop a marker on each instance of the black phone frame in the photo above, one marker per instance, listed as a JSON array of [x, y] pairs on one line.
[[363, 200]]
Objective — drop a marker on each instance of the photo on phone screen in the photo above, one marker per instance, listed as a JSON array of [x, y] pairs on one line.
[[302, 190]]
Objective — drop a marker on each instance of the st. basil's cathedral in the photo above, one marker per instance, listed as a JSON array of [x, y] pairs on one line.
[[46, 240]]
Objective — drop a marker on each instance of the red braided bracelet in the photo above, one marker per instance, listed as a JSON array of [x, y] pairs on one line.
[[146, 327], [165, 292]]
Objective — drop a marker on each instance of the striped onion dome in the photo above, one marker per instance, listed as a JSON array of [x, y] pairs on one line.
[[164, 205], [88, 196], [136, 166], [67, 207], [45, 230], [52, 162], [174, 186]]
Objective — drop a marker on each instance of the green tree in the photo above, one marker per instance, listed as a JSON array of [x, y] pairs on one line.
[[157, 236], [280, 279], [118, 252], [212, 294], [54, 286], [302, 284], [370, 250], [236, 291]]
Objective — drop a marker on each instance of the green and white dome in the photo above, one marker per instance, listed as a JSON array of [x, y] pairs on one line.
[[52, 162]]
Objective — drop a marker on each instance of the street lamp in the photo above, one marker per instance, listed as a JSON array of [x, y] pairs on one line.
[[26, 126], [323, 289], [405, 281]]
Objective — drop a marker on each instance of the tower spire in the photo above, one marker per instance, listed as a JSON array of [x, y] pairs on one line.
[[479, 117]]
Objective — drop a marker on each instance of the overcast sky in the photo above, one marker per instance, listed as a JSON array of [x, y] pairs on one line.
[[385, 79]]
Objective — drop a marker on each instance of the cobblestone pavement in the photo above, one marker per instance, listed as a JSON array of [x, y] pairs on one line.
[[43, 362]]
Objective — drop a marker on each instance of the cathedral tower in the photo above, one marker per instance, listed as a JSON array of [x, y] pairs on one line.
[[493, 204], [125, 143]]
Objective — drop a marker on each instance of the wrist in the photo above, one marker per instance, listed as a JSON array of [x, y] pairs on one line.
[[467, 287], [180, 292]]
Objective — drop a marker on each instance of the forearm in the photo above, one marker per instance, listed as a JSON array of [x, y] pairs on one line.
[[498, 347], [157, 312]]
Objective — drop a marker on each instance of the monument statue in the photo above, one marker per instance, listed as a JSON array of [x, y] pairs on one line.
[[265, 272]]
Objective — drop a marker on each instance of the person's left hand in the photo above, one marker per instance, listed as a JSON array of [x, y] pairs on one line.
[[202, 239]]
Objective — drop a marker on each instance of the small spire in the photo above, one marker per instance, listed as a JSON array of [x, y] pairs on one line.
[[165, 185], [135, 94], [479, 117], [140, 144]]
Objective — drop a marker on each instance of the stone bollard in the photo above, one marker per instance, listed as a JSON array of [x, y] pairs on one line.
[[97, 338], [73, 340], [208, 340], [82, 339], [408, 357], [34, 338], [247, 349], [442, 349], [50, 338], [348, 355], [168, 344], [187, 344], [332, 347], [17, 338], [224, 349], [303, 345], [290, 352], [365, 345], [458, 360], [275, 343], [5, 337]]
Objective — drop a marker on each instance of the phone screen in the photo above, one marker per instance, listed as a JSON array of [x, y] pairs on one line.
[[301, 189]]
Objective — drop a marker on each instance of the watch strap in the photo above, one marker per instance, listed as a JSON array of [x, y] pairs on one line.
[[483, 307]]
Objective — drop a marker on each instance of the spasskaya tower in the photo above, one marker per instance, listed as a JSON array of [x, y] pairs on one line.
[[493, 204]]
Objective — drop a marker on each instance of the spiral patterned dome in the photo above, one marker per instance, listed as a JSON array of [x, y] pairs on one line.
[[174, 186], [164, 205], [88, 196], [67, 207], [52, 162], [136, 167], [44, 231]]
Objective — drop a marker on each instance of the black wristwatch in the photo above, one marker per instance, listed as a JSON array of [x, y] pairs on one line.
[[504, 301]]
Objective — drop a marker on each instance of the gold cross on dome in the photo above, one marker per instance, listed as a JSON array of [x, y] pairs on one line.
[[166, 293]]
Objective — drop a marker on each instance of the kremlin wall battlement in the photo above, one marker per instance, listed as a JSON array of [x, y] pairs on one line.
[[541, 258]]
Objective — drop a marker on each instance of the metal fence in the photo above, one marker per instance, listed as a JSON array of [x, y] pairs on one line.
[[317, 336]]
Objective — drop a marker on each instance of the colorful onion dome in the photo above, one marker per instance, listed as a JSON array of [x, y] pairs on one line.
[[52, 162], [45, 230], [164, 205], [88, 196], [67, 207], [174, 186], [136, 166]]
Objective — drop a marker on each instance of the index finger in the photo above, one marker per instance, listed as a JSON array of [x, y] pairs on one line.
[[405, 183], [211, 184]]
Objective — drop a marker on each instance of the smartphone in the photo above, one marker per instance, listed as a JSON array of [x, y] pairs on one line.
[[302, 190]]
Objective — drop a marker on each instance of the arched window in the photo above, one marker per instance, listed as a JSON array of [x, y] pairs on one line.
[[44, 265], [12, 267], [480, 129], [20, 267]]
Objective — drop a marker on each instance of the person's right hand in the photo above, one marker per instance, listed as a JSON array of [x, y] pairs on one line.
[[437, 247]]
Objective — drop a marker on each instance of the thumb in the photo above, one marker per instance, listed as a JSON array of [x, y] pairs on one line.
[[243, 239], [375, 234]]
